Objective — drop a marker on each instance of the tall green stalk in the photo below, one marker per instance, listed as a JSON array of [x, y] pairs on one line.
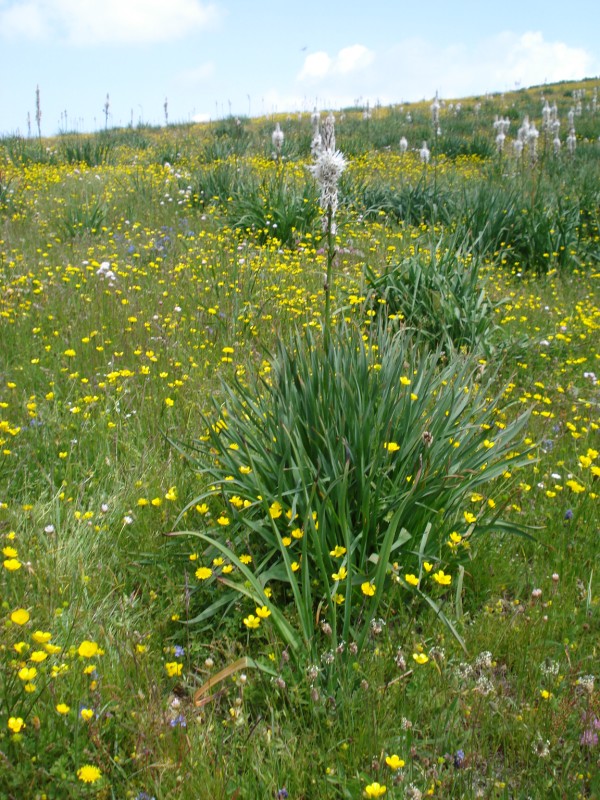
[[329, 276]]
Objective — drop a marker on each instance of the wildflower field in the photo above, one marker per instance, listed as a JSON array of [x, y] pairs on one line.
[[300, 455]]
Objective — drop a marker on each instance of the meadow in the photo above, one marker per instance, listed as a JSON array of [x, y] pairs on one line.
[[300, 469]]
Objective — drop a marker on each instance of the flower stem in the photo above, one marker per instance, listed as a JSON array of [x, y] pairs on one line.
[[328, 279]]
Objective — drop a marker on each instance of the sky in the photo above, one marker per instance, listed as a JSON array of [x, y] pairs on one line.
[[118, 62]]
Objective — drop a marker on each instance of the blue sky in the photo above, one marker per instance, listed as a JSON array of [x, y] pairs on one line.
[[209, 58]]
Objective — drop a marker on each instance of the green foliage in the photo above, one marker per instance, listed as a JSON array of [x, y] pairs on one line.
[[371, 448], [531, 233], [413, 203], [453, 146], [22, 151], [215, 184], [92, 375], [82, 218], [438, 293], [276, 208], [7, 188], [231, 138], [90, 151]]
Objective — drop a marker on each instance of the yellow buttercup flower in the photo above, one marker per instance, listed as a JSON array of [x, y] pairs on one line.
[[394, 762], [27, 673], [20, 616], [38, 656], [88, 649], [375, 790], [16, 724], [441, 578]]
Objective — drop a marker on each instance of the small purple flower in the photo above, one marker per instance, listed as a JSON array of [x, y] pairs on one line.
[[178, 722], [178, 651], [459, 758], [568, 514], [282, 794], [589, 738]]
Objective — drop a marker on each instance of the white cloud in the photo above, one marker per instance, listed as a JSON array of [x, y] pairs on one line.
[[415, 69], [529, 59], [350, 59], [494, 64], [89, 22], [25, 20], [316, 65]]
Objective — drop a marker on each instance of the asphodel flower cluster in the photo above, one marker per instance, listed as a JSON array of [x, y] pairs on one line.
[[327, 170], [277, 139]]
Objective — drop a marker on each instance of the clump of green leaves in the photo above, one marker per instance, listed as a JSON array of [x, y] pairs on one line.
[[6, 191], [92, 151], [215, 183], [439, 293], [276, 208], [532, 232], [424, 201], [354, 456], [82, 218]]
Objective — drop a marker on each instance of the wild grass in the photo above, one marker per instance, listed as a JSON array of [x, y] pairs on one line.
[[128, 337]]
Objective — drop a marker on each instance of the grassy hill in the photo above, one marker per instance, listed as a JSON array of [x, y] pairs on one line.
[[374, 427]]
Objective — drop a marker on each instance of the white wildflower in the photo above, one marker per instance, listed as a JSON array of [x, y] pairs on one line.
[[328, 134], [540, 747], [586, 683], [327, 170], [277, 139]]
